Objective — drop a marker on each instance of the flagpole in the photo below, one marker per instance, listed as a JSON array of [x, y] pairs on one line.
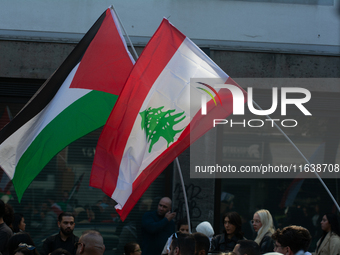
[[184, 193], [127, 36], [303, 156]]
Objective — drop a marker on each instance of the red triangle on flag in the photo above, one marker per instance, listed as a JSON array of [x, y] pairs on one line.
[[103, 60]]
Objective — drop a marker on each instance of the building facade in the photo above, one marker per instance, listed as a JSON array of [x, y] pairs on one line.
[[259, 43]]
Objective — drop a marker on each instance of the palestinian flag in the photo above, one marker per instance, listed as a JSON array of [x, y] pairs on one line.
[[74, 101], [155, 116]]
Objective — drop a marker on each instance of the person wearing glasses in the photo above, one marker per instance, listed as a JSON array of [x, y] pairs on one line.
[[329, 242], [132, 248], [90, 243], [65, 238], [264, 227], [292, 240], [232, 233]]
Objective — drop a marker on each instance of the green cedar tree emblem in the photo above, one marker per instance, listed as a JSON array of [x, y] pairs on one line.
[[158, 123]]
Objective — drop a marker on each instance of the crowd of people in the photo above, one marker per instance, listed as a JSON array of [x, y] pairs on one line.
[[161, 235]]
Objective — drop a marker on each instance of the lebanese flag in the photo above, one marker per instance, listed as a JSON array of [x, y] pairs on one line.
[[74, 101], [150, 124]]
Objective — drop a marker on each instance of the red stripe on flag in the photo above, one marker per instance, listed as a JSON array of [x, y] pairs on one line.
[[105, 65], [113, 139], [199, 125]]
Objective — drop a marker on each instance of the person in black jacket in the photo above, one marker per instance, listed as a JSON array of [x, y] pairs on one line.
[[264, 227], [232, 233], [65, 238], [157, 226], [5, 231]]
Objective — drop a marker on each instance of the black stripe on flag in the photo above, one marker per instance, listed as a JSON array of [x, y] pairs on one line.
[[51, 86]]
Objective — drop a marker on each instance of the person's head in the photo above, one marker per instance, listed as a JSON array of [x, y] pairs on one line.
[[247, 247], [132, 248], [60, 251], [20, 238], [183, 244], [202, 244], [164, 206], [329, 223], [18, 223], [232, 225], [291, 239], [183, 226], [9, 215], [66, 223], [90, 242], [262, 224], [23, 251], [205, 228]]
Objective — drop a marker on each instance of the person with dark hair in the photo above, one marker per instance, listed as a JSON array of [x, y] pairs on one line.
[[182, 244], [5, 231], [9, 216], [292, 240], [65, 238], [20, 238], [18, 223], [232, 233], [90, 243], [247, 247], [182, 226], [329, 242], [24, 251], [132, 248], [60, 251], [202, 244]]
